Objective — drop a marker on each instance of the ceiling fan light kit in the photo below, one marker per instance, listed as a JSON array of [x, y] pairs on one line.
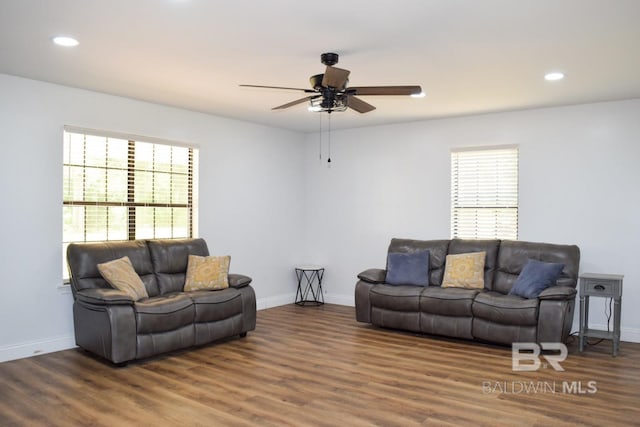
[[328, 105], [331, 92]]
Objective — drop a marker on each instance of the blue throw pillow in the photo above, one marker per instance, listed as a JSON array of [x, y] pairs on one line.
[[408, 268], [535, 277]]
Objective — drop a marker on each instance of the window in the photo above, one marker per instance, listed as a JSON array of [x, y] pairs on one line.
[[484, 193], [117, 187]]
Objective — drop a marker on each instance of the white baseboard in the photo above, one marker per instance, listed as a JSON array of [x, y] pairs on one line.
[[630, 335], [275, 301], [34, 348], [348, 300], [278, 300]]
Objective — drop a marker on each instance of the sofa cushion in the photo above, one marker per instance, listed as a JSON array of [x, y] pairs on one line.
[[513, 256], [398, 298], [465, 271], [408, 268], [447, 301], [120, 274], [490, 246], [84, 258], [535, 277], [207, 273], [506, 309], [164, 313], [212, 306], [437, 254], [170, 258]]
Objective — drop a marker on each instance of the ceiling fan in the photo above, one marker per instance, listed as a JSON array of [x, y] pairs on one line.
[[331, 93]]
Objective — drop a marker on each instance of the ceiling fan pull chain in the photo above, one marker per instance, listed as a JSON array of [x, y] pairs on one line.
[[329, 140], [320, 138]]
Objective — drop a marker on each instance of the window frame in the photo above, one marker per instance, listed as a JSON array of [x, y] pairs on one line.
[[131, 172], [511, 190]]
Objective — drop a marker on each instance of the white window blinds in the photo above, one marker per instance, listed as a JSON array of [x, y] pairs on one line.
[[484, 193], [118, 188]]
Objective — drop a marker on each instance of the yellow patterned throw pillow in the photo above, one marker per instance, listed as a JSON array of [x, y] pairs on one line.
[[121, 275], [464, 271], [209, 272]]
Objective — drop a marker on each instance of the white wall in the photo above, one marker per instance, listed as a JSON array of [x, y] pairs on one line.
[[579, 173], [250, 192]]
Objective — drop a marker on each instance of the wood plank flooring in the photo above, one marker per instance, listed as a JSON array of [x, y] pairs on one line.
[[316, 366]]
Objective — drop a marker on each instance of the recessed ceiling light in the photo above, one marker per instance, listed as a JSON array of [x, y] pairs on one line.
[[65, 41], [554, 76], [418, 95]]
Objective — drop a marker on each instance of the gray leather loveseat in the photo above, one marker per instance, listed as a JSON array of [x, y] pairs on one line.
[[111, 324], [490, 314]]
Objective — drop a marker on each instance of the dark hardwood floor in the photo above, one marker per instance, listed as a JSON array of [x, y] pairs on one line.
[[316, 366]]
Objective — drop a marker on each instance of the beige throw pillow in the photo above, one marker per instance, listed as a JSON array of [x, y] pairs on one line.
[[121, 275], [464, 271], [209, 272]]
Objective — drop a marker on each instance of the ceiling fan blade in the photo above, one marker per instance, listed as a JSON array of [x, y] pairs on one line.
[[335, 77], [280, 87], [296, 102], [385, 90], [359, 105]]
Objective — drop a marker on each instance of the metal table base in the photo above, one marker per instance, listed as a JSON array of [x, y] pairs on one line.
[[309, 282]]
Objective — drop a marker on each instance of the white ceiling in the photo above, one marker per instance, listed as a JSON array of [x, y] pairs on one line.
[[470, 56]]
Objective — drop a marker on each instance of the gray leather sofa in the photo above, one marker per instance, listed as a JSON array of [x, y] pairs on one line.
[[109, 323], [489, 314]]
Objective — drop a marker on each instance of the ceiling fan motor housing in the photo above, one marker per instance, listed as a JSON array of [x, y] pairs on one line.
[[329, 59]]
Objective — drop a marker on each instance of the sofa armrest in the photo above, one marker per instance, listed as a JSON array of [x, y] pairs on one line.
[[102, 296], [239, 280], [373, 275], [558, 293]]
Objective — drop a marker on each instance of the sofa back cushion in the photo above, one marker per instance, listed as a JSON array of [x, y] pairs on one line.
[[437, 254], [462, 246], [170, 258], [513, 256], [408, 268], [83, 259]]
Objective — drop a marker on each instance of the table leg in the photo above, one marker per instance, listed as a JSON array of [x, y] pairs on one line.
[[616, 325], [299, 296], [583, 320]]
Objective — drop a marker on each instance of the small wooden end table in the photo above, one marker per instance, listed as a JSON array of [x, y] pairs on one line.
[[600, 285]]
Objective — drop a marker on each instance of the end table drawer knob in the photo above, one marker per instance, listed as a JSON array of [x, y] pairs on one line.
[[599, 287]]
